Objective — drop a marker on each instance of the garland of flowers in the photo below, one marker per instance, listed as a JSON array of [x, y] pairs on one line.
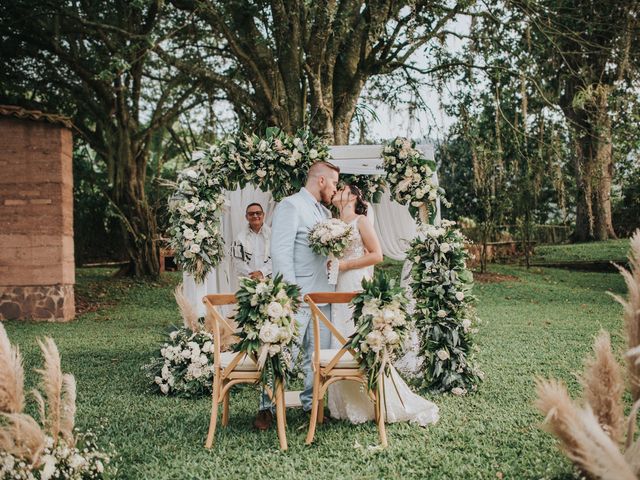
[[267, 327], [277, 163], [381, 325], [444, 313], [183, 366], [409, 179]]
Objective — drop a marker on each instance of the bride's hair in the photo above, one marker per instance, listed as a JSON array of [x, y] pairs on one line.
[[361, 205]]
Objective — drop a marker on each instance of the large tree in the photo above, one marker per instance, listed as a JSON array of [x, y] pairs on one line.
[[94, 61], [585, 55], [293, 63]]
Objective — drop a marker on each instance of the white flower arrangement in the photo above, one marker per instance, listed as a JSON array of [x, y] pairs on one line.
[[277, 163], [444, 314], [381, 325], [267, 327], [409, 176], [183, 366], [330, 237]]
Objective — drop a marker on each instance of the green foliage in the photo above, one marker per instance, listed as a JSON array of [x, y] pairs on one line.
[[444, 315]]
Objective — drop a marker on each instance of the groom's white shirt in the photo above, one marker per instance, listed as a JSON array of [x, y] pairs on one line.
[[290, 252]]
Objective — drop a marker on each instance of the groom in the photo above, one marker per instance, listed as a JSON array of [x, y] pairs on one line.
[[293, 258]]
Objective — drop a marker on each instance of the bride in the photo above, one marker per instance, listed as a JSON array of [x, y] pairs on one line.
[[347, 399]]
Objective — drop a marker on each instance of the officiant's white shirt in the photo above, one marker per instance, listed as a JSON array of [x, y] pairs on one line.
[[250, 252]]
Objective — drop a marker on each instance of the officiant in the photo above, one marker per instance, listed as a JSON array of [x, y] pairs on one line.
[[251, 249]]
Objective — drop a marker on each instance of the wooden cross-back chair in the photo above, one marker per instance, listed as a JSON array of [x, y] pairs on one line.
[[233, 368], [330, 366]]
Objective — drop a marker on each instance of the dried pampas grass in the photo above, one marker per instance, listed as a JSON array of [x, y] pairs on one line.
[[22, 437], [632, 312], [188, 313], [228, 327], [603, 386], [51, 384], [581, 437], [68, 408], [11, 376]]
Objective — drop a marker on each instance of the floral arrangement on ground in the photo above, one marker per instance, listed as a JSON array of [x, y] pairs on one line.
[[267, 327], [381, 325], [276, 162], [444, 314], [53, 449]]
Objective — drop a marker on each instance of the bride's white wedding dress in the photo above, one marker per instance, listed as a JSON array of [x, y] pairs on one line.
[[348, 399]]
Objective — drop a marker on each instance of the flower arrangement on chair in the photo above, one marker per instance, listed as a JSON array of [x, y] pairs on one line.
[[267, 327]]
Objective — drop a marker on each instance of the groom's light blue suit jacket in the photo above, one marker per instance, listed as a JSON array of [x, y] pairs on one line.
[[290, 252]]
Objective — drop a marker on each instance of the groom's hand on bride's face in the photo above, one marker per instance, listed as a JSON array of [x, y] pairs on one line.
[[257, 275]]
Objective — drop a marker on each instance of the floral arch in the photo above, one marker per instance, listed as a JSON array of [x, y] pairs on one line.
[[277, 163]]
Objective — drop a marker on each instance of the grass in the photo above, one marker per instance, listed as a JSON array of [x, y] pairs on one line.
[[541, 324], [609, 250]]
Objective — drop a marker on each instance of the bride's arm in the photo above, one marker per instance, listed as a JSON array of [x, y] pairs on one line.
[[373, 250]]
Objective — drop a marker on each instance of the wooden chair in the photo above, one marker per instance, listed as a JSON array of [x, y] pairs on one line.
[[233, 368], [330, 366]]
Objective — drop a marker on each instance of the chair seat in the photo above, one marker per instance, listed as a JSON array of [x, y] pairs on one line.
[[245, 365], [346, 360]]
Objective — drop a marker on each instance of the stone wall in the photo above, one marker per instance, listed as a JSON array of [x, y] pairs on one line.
[[36, 220]]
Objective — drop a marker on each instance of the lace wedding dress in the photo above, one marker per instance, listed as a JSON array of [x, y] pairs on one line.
[[347, 399]]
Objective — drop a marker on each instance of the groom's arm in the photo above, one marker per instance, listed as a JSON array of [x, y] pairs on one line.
[[284, 229]]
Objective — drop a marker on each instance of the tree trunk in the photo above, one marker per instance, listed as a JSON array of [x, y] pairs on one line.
[[583, 175], [603, 170], [138, 221]]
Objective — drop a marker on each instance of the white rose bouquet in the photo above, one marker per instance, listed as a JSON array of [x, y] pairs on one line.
[[331, 238], [267, 327], [381, 325]]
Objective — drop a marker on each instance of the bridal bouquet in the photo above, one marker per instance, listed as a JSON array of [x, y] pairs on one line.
[[381, 322], [331, 238], [267, 327]]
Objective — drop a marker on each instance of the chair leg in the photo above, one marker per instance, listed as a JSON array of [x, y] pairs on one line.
[[382, 429], [225, 409], [281, 416], [214, 413], [314, 409], [321, 410]]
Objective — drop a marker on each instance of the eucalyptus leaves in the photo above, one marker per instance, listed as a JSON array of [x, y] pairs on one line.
[[444, 315]]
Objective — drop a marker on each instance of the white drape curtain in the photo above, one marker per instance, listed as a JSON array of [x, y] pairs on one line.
[[393, 224]]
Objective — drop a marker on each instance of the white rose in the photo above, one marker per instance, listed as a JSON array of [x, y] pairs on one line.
[[274, 310], [201, 235], [49, 467], [269, 333], [188, 234], [388, 314], [195, 248], [419, 193], [443, 355], [445, 247], [197, 155], [207, 347], [189, 207], [458, 391], [313, 153], [158, 380], [284, 336], [432, 195], [261, 173], [262, 288], [164, 389], [188, 254], [273, 349], [391, 337], [466, 323], [77, 461], [165, 372], [374, 340], [262, 146], [441, 314], [186, 353], [459, 296]]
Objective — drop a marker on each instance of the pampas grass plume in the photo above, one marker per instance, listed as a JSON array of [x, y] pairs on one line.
[[188, 313], [22, 437], [11, 376], [603, 386], [580, 435], [52, 385]]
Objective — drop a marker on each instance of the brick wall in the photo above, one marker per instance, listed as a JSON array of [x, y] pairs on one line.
[[36, 220]]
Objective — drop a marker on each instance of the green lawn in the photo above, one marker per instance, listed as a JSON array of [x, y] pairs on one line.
[[610, 250], [541, 324]]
